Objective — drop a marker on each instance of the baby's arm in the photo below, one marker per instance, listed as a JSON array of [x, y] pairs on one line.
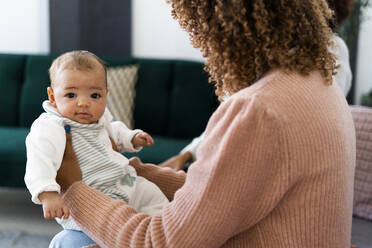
[[53, 205], [125, 139], [45, 147]]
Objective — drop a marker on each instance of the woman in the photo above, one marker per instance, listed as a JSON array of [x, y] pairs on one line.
[[276, 165], [343, 78]]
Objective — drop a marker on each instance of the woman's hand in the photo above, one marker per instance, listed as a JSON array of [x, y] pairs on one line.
[[138, 165], [177, 162], [69, 172]]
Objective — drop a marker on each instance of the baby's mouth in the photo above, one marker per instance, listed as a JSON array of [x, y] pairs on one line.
[[84, 115]]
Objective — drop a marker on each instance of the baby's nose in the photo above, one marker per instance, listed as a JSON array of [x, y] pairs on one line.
[[83, 102]]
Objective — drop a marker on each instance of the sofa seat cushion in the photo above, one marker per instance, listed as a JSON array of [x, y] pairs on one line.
[[163, 149], [12, 156]]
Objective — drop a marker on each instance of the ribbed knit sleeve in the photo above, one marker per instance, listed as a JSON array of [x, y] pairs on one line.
[[229, 180]]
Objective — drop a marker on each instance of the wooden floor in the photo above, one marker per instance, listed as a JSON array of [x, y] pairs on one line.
[[17, 212]]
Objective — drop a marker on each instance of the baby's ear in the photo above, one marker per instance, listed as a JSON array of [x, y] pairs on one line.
[[51, 97]]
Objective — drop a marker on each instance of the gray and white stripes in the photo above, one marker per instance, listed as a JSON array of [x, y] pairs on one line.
[[98, 170]]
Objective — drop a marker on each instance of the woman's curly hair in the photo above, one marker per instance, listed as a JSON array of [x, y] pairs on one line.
[[244, 39]]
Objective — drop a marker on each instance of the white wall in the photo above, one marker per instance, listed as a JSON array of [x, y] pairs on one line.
[[157, 34], [24, 26], [364, 63]]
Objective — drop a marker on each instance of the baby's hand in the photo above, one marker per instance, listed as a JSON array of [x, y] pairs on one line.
[[142, 139], [53, 205]]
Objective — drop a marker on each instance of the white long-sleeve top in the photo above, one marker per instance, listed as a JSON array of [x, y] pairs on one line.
[[46, 145], [344, 76]]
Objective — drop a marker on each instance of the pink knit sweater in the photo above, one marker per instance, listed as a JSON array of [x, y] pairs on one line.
[[275, 169]]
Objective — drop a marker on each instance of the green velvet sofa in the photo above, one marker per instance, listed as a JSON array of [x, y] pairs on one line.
[[173, 103]]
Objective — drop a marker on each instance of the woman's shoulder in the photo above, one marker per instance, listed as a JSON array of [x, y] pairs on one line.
[[263, 94], [287, 96], [250, 105]]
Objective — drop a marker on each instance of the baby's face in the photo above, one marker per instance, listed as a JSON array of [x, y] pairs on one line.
[[79, 95]]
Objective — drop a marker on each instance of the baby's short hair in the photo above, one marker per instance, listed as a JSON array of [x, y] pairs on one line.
[[79, 60]]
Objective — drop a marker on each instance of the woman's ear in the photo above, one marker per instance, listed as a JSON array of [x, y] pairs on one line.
[[51, 97]]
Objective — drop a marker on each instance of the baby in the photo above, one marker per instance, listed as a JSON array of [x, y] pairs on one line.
[[77, 100]]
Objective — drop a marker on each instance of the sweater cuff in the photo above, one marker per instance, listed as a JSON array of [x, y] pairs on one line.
[[92, 246], [76, 186]]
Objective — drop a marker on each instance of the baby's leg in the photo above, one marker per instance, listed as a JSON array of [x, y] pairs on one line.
[[70, 239], [148, 198]]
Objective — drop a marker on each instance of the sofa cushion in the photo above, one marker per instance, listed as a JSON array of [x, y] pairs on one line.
[[34, 90], [121, 82], [163, 149], [192, 100], [363, 172], [12, 156], [11, 79], [151, 105]]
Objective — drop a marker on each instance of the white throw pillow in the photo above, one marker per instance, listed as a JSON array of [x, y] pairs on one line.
[[121, 82]]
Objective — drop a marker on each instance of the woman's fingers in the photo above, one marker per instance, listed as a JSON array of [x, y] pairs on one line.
[[59, 213], [69, 172], [114, 147]]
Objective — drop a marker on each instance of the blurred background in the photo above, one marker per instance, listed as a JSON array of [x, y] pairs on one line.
[[141, 28]]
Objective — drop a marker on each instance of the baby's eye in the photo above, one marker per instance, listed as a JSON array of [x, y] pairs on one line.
[[70, 95], [95, 96]]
